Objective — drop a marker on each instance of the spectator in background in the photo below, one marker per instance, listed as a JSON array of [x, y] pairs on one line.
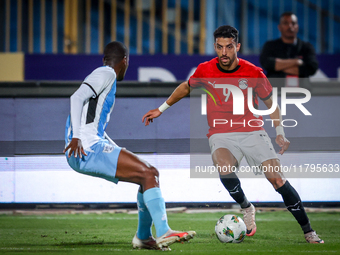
[[288, 57]]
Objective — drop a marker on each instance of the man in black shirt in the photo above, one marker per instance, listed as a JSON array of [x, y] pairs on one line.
[[288, 56]]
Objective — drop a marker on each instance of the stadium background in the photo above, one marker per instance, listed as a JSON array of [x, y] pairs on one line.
[[49, 46]]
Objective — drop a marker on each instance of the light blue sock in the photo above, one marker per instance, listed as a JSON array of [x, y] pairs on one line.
[[144, 219], [156, 205]]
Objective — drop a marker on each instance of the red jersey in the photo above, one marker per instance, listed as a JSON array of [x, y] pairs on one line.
[[219, 83]]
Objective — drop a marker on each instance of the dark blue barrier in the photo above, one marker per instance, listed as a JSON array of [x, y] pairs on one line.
[[77, 67]]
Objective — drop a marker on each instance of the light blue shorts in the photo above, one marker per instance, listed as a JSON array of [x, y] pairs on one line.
[[101, 161]]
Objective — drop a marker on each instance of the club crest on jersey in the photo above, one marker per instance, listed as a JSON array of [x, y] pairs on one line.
[[242, 83]]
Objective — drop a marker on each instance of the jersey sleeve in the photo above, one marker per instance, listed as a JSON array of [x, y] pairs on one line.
[[100, 78], [77, 102], [263, 87]]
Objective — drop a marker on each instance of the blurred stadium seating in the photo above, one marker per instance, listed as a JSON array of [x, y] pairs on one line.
[[158, 26]]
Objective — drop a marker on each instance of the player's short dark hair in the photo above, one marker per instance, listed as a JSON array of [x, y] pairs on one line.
[[226, 32], [115, 51]]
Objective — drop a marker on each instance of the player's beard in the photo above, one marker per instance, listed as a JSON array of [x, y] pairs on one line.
[[227, 64]]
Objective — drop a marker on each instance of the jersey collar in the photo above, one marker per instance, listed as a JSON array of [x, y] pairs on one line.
[[227, 71]]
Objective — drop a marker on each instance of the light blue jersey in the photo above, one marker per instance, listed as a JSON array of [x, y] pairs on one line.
[[96, 111], [102, 156]]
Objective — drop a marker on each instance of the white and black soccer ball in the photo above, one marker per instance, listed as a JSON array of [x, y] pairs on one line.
[[230, 229]]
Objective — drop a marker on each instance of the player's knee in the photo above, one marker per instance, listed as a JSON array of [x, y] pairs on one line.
[[277, 182], [150, 172], [274, 163], [150, 178], [154, 172]]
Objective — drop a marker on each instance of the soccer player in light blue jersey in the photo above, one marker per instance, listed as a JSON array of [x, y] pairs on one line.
[[89, 150]]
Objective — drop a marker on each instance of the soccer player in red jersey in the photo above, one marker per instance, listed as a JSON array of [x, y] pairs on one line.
[[234, 136]]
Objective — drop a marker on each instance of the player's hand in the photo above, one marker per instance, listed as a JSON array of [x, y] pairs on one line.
[[150, 115], [283, 142], [76, 147]]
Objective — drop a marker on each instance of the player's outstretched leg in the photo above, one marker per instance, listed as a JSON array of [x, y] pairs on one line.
[[232, 183], [131, 169], [291, 199], [224, 159], [293, 203]]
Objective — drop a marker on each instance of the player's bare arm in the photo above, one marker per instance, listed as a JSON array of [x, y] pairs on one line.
[[181, 91], [276, 116]]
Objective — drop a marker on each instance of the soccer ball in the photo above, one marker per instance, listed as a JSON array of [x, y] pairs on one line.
[[230, 229]]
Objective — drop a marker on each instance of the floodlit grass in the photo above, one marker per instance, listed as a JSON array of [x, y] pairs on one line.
[[277, 232]]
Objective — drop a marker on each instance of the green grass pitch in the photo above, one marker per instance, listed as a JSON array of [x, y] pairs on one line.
[[277, 233]]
